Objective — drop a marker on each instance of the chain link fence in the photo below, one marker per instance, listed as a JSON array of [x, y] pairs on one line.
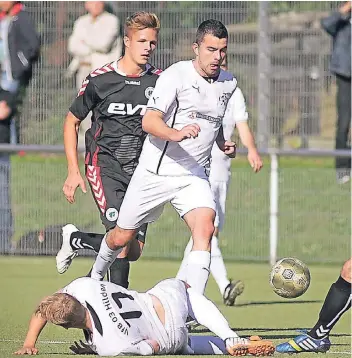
[[300, 90], [314, 212]]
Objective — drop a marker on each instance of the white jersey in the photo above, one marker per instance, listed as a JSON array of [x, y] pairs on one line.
[[185, 97], [120, 318], [236, 112]]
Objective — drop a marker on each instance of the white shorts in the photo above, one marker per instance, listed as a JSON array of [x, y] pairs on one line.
[[219, 189], [173, 296], [148, 193]]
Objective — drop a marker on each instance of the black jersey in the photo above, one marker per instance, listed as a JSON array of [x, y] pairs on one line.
[[118, 104]]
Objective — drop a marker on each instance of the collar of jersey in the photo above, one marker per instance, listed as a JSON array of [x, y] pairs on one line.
[[209, 80], [117, 70]]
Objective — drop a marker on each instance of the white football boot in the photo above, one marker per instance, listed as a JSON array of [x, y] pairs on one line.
[[66, 254]]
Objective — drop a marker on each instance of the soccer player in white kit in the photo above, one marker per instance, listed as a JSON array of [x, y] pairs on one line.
[[236, 115], [117, 321], [184, 118]]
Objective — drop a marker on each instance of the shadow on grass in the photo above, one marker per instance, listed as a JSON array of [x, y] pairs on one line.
[[259, 303]]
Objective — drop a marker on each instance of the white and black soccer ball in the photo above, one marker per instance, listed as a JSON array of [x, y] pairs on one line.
[[290, 278]]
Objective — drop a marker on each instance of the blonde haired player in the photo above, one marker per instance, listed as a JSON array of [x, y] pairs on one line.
[[117, 321], [117, 94], [236, 116]]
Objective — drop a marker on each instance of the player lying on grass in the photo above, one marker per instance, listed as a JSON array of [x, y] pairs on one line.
[[117, 321], [337, 302]]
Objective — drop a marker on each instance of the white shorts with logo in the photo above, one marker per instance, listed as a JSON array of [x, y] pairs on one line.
[[173, 296], [219, 189], [148, 193]]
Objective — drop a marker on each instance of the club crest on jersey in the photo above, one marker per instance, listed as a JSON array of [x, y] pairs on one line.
[[148, 92], [111, 214], [224, 99]]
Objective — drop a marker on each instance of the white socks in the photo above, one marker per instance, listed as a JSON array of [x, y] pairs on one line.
[[105, 258], [197, 272], [182, 271], [217, 265], [210, 345], [207, 314]]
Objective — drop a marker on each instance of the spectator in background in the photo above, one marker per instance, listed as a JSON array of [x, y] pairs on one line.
[[338, 25], [95, 41], [7, 107], [19, 49]]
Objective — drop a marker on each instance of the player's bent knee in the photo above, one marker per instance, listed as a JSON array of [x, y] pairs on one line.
[[119, 237], [346, 270], [204, 229], [208, 229]]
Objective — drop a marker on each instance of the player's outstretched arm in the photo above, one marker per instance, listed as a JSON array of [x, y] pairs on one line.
[[36, 325], [247, 140], [74, 177], [153, 123]]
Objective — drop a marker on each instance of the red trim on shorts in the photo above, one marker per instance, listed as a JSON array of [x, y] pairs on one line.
[[94, 178]]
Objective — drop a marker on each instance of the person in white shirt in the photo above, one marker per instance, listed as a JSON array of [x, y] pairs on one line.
[[183, 118], [220, 173], [117, 321]]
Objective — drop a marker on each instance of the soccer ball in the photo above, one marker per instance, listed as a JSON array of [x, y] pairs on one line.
[[290, 278]]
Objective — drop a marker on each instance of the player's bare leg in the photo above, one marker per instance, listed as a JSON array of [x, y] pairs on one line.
[[201, 223], [113, 243]]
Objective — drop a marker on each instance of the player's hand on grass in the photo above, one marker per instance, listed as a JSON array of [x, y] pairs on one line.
[[189, 131], [255, 160], [81, 348], [229, 148], [73, 181], [27, 350]]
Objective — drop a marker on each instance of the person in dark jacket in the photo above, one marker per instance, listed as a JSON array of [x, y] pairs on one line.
[[19, 47], [338, 25]]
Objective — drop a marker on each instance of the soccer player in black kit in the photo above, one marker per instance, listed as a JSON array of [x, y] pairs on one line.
[[117, 95]]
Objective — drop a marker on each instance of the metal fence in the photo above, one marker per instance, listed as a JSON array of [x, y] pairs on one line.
[[291, 208], [276, 49]]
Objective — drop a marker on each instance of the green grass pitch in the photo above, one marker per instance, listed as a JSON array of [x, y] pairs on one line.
[[25, 280]]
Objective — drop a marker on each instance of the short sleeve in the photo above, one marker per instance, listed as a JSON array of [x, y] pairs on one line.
[[166, 89], [87, 98], [237, 107]]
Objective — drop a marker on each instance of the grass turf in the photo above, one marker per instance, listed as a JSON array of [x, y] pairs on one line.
[[25, 280]]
